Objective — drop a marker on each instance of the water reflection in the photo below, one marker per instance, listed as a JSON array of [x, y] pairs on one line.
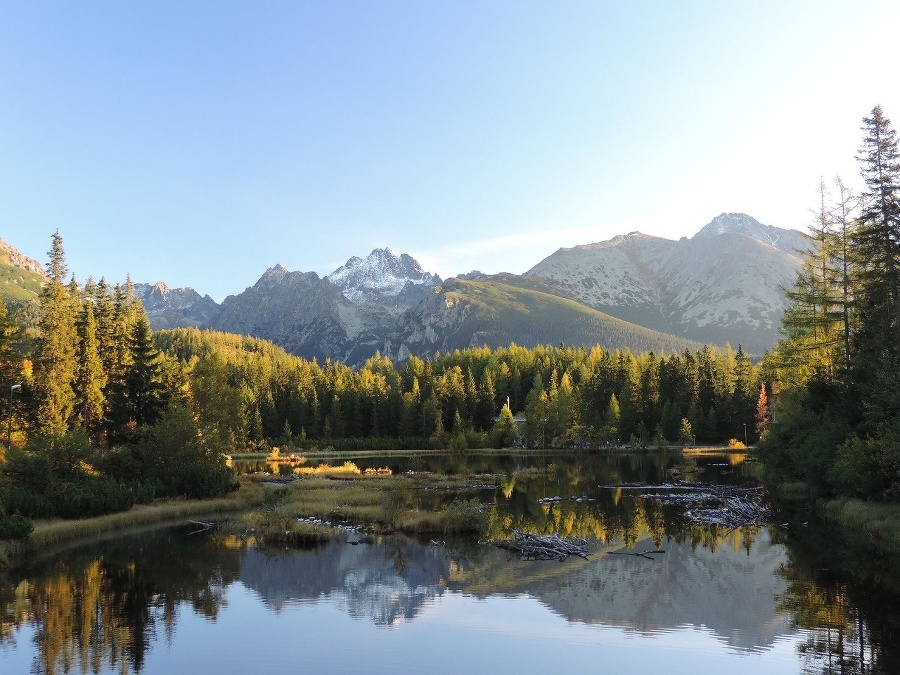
[[102, 607], [387, 582], [117, 606]]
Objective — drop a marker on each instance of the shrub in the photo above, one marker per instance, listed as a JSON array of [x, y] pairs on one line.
[[15, 527]]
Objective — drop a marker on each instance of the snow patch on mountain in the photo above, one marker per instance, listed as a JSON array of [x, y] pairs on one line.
[[381, 277]]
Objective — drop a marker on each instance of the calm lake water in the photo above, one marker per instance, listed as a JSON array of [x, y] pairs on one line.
[[771, 600]]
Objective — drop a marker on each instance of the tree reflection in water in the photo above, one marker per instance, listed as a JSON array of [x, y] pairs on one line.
[[104, 607], [845, 595]]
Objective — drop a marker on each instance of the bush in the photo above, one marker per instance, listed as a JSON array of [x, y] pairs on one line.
[[81, 498], [465, 515], [15, 527]]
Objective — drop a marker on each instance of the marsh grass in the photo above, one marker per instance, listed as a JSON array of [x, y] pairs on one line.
[[50, 536], [269, 511], [458, 517], [377, 502], [876, 523], [280, 527], [793, 491]]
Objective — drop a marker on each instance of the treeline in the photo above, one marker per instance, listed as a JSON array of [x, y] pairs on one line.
[[837, 371], [253, 394], [98, 419]]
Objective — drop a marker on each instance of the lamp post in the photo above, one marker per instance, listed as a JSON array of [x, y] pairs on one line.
[[745, 433], [14, 388]]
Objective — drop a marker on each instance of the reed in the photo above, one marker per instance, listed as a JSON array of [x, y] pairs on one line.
[[876, 523], [460, 516], [53, 533]]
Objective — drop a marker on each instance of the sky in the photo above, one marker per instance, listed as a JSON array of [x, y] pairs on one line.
[[200, 143]]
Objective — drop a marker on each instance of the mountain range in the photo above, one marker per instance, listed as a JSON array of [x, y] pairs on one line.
[[637, 291]]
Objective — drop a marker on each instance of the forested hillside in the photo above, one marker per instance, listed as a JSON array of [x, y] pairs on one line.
[[571, 396]]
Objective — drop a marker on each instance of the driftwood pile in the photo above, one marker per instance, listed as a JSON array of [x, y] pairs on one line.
[[546, 547], [708, 503]]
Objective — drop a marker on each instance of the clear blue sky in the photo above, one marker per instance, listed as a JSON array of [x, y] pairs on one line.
[[200, 143]]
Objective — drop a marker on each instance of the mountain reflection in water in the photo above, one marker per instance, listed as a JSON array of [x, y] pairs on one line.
[[744, 601], [731, 593]]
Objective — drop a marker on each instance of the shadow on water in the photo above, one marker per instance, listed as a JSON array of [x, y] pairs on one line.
[[101, 608]]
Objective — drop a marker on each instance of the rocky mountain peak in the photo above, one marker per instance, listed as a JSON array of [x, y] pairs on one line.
[[279, 271], [381, 276], [160, 288], [788, 241], [13, 257]]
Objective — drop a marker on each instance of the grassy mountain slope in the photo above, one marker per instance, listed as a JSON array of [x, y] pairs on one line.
[[502, 309], [18, 285]]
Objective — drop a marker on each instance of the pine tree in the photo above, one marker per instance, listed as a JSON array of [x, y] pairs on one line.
[[90, 379], [742, 409], [10, 359], [10, 363], [487, 401], [55, 356], [140, 397], [504, 432], [876, 253], [844, 209], [877, 239]]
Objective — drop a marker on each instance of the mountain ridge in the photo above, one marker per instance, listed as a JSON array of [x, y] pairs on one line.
[[722, 284], [637, 290]]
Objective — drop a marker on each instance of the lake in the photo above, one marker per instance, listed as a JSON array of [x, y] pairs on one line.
[[787, 598]]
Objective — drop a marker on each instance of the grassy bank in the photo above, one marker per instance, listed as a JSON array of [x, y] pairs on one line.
[[876, 523], [377, 502], [51, 535], [268, 511]]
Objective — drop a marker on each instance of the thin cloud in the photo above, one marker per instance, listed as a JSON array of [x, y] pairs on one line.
[[515, 252]]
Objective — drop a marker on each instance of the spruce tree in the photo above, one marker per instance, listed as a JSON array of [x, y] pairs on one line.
[[55, 357], [90, 379], [10, 363], [140, 396], [877, 239], [742, 403], [876, 251]]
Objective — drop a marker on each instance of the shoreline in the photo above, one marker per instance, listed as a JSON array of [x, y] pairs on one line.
[[50, 536]]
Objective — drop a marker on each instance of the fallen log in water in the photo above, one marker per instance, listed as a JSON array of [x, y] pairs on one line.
[[640, 554], [546, 547], [709, 503], [202, 526]]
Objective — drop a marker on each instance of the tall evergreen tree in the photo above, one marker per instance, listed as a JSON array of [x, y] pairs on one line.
[[876, 247], [140, 397], [55, 357], [877, 239], [90, 379], [742, 403]]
